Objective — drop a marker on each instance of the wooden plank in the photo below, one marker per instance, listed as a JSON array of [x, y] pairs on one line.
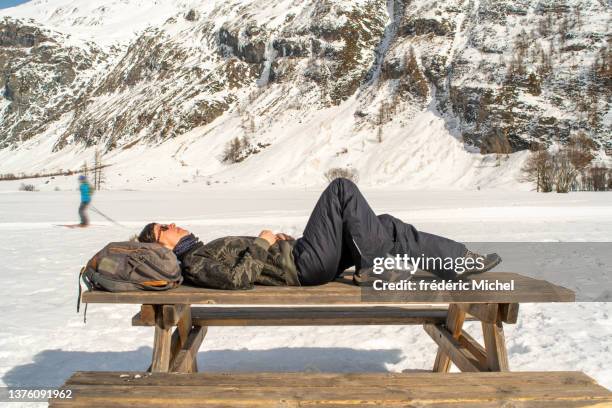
[[183, 362], [509, 312], [478, 351], [482, 390], [310, 316], [175, 346], [173, 313], [453, 326], [139, 320], [495, 346], [318, 379], [184, 325], [184, 328], [162, 340], [164, 402], [454, 350], [147, 312], [342, 292], [485, 312]]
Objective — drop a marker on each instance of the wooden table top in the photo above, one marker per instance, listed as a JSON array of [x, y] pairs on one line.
[[343, 291]]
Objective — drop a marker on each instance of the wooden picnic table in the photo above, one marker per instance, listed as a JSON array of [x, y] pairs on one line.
[[442, 314]]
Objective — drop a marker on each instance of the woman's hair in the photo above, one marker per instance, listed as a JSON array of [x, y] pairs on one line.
[[148, 233]]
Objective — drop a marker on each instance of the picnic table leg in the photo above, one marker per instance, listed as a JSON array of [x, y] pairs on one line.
[[189, 339], [161, 343], [454, 324], [495, 343], [175, 351]]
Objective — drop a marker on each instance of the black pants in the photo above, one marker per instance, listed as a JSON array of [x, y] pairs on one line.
[[343, 231], [83, 213]]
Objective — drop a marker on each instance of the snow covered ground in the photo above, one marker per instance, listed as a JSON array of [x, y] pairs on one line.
[[419, 154], [43, 340]]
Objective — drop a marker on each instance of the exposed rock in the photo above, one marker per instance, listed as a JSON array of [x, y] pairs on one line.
[[192, 15], [35, 67], [250, 50], [290, 48], [392, 69], [14, 34], [423, 26]]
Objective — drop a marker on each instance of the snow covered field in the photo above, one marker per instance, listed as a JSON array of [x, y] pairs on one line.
[[43, 340]]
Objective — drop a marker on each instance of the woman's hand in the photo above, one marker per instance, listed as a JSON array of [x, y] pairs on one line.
[[268, 236]]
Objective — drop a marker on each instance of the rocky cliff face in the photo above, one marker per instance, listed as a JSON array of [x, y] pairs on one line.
[[502, 74], [40, 78]]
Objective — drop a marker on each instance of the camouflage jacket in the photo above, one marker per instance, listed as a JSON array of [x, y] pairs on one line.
[[239, 263]]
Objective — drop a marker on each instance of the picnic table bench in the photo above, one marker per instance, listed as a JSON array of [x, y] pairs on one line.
[[285, 390], [180, 327], [172, 378]]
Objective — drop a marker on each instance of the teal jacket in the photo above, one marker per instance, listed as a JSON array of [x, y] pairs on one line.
[[85, 193]]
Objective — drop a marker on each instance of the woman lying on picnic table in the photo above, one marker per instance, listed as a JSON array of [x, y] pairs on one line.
[[342, 232]]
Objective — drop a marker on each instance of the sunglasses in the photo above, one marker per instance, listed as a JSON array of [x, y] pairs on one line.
[[162, 227]]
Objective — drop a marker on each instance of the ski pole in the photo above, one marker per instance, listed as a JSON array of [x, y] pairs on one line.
[[107, 217]]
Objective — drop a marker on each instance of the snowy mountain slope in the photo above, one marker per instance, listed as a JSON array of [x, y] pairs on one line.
[[402, 92], [43, 73], [106, 22]]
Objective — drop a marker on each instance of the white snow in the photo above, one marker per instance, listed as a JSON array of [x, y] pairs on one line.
[[43, 340], [416, 153], [104, 22]]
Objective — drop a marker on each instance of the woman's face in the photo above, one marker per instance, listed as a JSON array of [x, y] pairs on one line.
[[169, 234]]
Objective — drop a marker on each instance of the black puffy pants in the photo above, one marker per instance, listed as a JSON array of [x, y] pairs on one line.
[[343, 231]]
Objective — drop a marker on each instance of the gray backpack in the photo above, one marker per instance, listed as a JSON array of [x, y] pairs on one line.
[[129, 266]]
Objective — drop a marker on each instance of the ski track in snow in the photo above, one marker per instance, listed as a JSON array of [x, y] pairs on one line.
[[44, 340]]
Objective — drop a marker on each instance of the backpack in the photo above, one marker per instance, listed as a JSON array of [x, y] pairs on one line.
[[129, 266]]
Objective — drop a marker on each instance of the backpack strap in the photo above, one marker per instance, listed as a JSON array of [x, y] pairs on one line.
[[89, 287]]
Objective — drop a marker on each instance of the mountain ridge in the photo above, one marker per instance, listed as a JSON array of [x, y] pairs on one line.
[[247, 66]]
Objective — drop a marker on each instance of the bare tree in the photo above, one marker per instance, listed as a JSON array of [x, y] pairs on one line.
[[382, 113], [538, 168], [597, 178], [564, 172], [235, 150], [418, 83], [580, 150], [98, 170], [251, 125]]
